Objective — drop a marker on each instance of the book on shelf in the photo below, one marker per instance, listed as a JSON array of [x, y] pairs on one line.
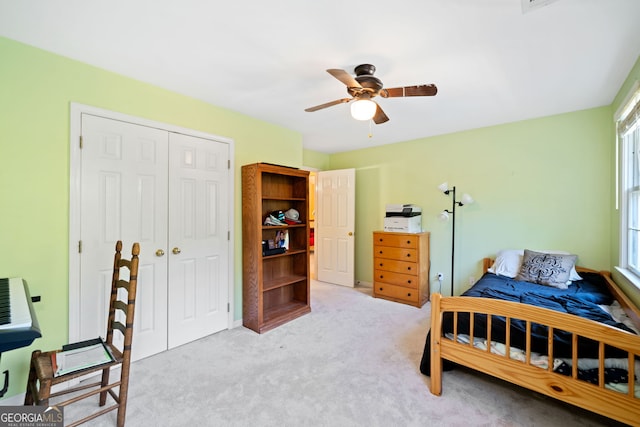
[[80, 356], [269, 248]]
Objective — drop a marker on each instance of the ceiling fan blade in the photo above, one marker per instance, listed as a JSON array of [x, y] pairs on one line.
[[380, 117], [421, 90], [328, 104], [344, 77]]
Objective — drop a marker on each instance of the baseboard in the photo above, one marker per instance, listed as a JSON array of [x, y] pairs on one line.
[[16, 400]]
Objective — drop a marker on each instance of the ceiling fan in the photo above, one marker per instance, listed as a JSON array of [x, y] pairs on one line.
[[365, 86]]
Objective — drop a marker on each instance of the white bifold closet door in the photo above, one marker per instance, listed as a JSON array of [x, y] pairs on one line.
[[169, 192]]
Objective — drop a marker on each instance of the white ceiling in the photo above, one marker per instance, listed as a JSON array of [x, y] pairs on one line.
[[492, 63]]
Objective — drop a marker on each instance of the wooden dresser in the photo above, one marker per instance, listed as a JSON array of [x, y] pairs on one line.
[[401, 267]]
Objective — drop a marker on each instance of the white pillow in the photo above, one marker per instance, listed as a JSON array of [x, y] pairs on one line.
[[509, 261]]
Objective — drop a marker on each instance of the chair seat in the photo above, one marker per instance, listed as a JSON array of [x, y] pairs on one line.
[[44, 366]]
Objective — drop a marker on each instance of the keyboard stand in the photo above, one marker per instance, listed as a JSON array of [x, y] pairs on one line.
[[6, 382]]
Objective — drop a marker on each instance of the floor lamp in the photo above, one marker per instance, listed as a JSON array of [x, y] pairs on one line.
[[466, 200]]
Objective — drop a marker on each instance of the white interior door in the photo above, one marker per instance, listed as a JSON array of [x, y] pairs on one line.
[[198, 236], [124, 197], [335, 226]]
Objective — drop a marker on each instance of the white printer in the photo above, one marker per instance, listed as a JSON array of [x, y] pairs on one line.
[[403, 218]]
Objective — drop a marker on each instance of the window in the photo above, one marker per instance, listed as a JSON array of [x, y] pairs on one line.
[[628, 125]]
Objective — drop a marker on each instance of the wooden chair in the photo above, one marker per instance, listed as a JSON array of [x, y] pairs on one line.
[[41, 375]]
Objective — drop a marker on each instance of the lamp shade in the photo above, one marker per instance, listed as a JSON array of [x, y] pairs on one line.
[[363, 109], [444, 216], [443, 187], [466, 199]]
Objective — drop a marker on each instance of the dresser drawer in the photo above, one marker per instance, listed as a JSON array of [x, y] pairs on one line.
[[395, 240], [402, 254], [396, 292], [397, 266], [405, 280]]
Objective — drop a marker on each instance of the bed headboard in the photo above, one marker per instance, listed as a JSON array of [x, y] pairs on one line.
[[486, 264]]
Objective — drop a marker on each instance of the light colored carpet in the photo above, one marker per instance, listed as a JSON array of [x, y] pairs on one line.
[[353, 361]]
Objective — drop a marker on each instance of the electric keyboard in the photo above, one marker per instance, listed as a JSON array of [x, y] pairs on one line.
[[18, 323]]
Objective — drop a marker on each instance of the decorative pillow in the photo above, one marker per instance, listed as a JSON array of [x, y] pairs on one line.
[[509, 261], [546, 269]]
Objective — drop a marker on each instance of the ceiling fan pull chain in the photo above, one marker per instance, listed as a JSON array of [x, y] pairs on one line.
[[370, 128]]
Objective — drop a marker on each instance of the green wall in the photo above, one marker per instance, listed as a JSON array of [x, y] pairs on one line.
[[538, 184], [37, 88], [316, 160]]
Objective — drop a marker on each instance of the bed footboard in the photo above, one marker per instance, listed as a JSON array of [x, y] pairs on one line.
[[468, 350]]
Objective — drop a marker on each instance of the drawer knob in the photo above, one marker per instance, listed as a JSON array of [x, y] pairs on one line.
[[381, 264], [409, 268], [409, 281], [408, 294], [408, 255], [380, 252], [381, 276], [381, 288], [408, 242]]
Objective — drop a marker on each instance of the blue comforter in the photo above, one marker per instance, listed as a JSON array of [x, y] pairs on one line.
[[581, 299]]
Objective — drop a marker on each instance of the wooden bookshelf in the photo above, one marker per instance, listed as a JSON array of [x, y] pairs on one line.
[[275, 288]]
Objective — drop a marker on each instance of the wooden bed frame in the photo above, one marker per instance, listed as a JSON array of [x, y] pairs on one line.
[[624, 407]]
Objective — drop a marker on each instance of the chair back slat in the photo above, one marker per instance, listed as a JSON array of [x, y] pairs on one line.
[[122, 306], [119, 326], [123, 284]]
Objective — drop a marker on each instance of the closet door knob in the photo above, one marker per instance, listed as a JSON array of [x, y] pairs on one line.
[[159, 252], [176, 251]]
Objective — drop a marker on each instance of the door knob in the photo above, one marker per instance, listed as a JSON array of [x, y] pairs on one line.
[[350, 233], [176, 251], [159, 252]]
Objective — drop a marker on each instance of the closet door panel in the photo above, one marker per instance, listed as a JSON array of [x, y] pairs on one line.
[[124, 197], [198, 235]]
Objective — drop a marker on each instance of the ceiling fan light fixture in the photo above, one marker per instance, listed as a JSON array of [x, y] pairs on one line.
[[363, 109]]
